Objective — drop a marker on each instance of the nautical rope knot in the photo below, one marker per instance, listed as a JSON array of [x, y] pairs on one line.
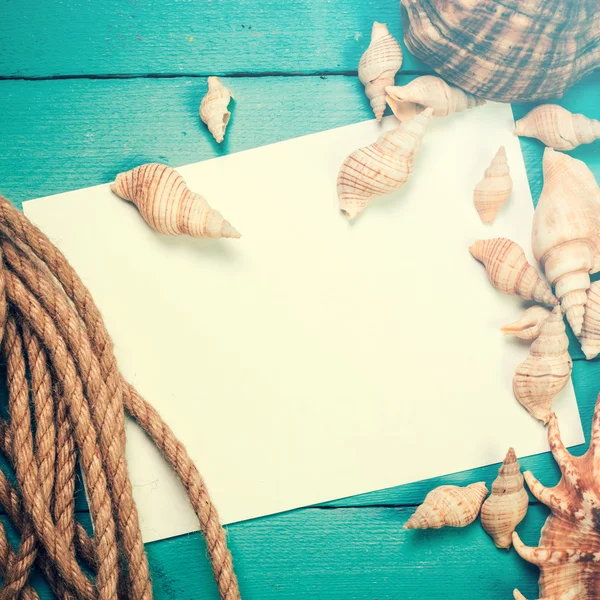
[[67, 402]]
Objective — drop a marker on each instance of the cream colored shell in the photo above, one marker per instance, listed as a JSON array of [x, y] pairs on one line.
[[168, 206], [546, 371], [590, 332], [528, 327], [449, 505], [509, 272], [213, 108], [428, 91], [378, 66], [381, 167], [507, 505], [558, 128], [494, 189], [566, 228]]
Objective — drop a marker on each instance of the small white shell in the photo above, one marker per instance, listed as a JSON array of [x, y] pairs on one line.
[[213, 108], [494, 189]]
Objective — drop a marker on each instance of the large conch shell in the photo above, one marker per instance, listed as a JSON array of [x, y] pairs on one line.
[[590, 332], [506, 50], [566, 230], [378, 66], [449, 505], [213, 108], [569, 547], [380, 168], [546, 371], [428, 91], [558, 128], [528, 327], [509, 272], [507, 505], [494, 189], [168, 206]]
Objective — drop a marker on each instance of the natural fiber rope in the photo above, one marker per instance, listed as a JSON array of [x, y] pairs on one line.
[[66, 402]]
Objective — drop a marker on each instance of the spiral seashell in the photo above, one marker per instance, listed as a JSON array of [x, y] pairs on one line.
[[566, 229], [449, 505], [494, 189], [378, 66], [546, 371], [590, 332], [508, 503], [213, 108], [558, 128], [381, 167], [528, 327], [168, 206], [428, 91], [506, 50], [509, 272]]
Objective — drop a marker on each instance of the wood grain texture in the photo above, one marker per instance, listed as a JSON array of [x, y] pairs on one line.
[[194, 37]]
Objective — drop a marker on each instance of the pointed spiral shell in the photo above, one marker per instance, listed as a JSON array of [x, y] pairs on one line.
[[590, 332], [428, 91], [509, 272], [565, 233], [381, 167], [494, 189], [528, 327], [558, 128], [546, 371], [168, 206], [507, 505], [213, 108], [378, 66]]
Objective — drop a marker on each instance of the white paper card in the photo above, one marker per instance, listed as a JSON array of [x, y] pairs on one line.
[[314, 358]]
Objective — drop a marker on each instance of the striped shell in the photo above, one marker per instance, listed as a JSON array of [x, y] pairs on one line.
[[506, 50], [528, 327], [590, 332]]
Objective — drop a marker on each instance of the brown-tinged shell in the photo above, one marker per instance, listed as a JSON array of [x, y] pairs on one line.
[[378, 66], [213, 108], [509, 272], [590, 332], [167, 204], [449, 505], [507, 505], [494, 189], [528, 327], [540, 378], [565, 236], [569, 549], [506, 50], [428, 91], [558, 128], [381, 167]]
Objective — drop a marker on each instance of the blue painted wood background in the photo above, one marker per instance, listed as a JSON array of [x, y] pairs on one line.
[[88, 89]]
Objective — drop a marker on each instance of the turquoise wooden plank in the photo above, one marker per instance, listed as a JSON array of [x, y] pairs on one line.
[[202, 37]]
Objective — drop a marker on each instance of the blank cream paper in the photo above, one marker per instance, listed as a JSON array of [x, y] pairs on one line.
[[314, 358]]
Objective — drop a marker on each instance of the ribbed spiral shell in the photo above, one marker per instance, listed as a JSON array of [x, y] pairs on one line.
[[381, 167], [509, 272], [378, 66], [213, 108], [494, 189], [590, 332], [546, 371], [428, 91], [168, 206], [558, 128], [528, 327]]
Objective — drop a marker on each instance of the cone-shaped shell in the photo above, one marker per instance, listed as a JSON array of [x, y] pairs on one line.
[[506, 50], [449, 505], [380, 168], [558, 128], [428, 91], [546, 371], [507, 505], [590, 332], [378, 66], [168, 206], [528, 327], [509, 272], [566, 228], [213, 108], [494, 189]]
